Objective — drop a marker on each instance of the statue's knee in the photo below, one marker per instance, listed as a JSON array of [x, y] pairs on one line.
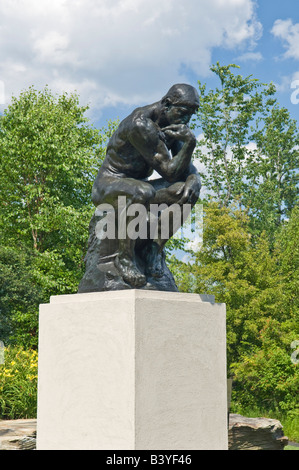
[[176, 189]]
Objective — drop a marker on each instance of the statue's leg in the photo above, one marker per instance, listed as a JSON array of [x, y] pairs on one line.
[[174, 215], [108, 190]]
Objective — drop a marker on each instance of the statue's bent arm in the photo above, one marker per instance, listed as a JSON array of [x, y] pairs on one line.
[[147, 138]]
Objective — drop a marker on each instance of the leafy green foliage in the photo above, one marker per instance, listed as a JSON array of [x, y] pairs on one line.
[[225, 117], [50, 155], [249, 258], [18, 384], [266, 377], [272, 171], [249, 148], [19, 297], [260, 288]]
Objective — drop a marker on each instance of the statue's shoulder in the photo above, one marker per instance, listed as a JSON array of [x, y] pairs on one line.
[[140, 120]]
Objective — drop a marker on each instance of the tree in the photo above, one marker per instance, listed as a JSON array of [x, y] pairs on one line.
[[272, 171], [249, 257], [249, 148], [50, 155], [48, 163], [240, 273], [288, 264], [265, 376], [20, 297], [225, 116], [259, 285]]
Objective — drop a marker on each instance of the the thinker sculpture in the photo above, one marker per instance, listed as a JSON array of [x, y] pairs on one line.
[[154, 137]]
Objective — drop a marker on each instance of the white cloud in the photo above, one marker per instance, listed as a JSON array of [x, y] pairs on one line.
[[52, 48], [250, 56], [287, 82], [116, 51], [289, 33]]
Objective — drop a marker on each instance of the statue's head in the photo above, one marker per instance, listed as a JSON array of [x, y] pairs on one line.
[[179, 103]]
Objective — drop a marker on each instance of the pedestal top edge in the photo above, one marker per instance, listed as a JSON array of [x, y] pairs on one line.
[[131, 294]]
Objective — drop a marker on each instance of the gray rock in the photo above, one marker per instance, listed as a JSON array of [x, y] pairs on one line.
[[255, 434], [19, 434]]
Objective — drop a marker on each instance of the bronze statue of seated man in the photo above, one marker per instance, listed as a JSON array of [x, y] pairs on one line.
[[153, 137]]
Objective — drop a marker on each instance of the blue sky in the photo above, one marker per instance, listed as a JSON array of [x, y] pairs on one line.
[[119, 54], [274, 64]]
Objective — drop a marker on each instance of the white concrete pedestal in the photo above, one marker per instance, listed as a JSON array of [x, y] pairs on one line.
[[132, 369]]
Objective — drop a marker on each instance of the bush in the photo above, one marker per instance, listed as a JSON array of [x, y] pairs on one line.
[[266, 377], [18, 384]]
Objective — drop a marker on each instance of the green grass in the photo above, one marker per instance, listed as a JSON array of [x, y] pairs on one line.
[[291, 428]]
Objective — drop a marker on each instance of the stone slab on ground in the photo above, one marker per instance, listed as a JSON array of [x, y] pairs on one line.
[[19, 434], [255, 434]]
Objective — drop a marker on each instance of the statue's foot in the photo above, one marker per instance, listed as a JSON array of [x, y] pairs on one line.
[[129, 272], [153, 257]]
